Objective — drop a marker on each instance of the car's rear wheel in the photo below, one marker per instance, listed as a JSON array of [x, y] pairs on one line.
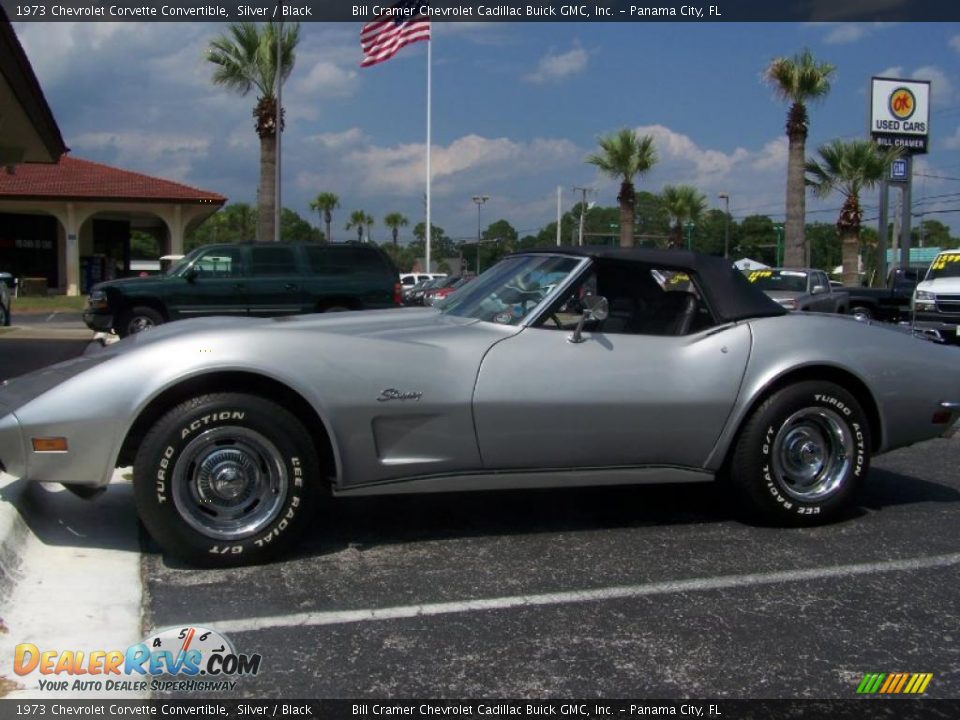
[[802, 454], [226, 479], [861, 312], [138, 319], [4, 316]]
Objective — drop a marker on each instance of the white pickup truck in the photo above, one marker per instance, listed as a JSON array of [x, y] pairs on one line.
[[936, 300]]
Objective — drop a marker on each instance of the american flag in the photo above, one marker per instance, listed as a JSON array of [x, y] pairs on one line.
[[381, 39]]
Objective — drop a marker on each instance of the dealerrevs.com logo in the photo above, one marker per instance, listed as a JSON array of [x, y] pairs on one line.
[[187, 658]]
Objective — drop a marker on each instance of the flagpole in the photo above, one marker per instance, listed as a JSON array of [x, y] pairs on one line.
[[429, 267]]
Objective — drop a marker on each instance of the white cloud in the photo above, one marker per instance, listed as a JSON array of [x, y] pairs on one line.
[[678, 149], [955, 43], [169, 156], [941, 88], [844, 33], [953, 142], [773, 156], [554, 68], [326, 79]]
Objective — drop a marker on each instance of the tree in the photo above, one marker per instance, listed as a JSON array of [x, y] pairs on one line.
[[797, 80], [624, 156], [361, 221], [246, 59], [326, 203], [395, 221], [294, 228], [849, 167], [685, 204]]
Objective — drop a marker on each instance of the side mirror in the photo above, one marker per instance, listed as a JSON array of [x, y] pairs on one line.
[[818, 289], [191, 274], [595, 307]]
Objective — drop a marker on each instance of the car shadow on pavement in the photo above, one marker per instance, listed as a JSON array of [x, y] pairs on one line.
[[57, 517]]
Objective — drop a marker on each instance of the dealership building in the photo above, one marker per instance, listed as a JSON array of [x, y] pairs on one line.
[[66, 222]]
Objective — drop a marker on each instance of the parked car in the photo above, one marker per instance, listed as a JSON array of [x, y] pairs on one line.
[[445, 292], [418, 291], [262, 279], [6, 284], [443, 285], [936, 300], [237, 428], [890, 303], [805, 290]]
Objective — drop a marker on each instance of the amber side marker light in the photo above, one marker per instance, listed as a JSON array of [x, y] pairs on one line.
[[50, 444]]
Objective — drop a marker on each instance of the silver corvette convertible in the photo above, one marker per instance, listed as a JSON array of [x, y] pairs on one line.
[[559, 367]]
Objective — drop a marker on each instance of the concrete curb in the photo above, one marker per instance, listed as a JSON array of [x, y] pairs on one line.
[[13, 534]]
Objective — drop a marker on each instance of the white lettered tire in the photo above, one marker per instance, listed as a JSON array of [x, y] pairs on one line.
[[802, 455], [226, 479]]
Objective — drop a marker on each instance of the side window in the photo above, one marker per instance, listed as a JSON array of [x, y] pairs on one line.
[[343, 260], [220, 263], [641, 300], [273, 261]]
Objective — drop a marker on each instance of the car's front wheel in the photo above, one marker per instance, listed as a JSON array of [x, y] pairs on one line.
[[138, 319], [4, 316], [862, 312], [802, 454], [226, 479]]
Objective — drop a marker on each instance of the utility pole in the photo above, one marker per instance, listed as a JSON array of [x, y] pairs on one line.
[[583, 208]]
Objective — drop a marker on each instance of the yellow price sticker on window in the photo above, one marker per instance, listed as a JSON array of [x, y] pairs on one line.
[[758, 274]]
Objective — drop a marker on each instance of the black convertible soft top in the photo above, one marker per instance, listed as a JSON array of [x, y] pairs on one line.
[[728, 293]]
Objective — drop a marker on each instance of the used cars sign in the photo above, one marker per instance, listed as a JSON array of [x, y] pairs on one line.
[[900, 113]]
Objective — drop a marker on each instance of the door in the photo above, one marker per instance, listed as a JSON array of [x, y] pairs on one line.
[[612, 400], [213, 285], [275, 282]]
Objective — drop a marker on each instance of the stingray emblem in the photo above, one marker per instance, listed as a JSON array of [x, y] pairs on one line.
[[393, 394]]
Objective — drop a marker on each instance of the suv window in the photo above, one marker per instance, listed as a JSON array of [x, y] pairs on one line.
[[272, 261], [218, 263], [339, 260]]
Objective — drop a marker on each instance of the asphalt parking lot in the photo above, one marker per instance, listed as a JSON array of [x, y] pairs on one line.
[[615, 593], [650, 592]]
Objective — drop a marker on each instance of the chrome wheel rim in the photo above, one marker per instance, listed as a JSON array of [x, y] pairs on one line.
[[139, 323], [230, 483], [812, 453]]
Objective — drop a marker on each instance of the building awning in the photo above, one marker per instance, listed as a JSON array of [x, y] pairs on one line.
[[30, 132]]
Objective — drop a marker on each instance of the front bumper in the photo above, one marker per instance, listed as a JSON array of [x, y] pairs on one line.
[[12, 453], [945, 331], [98, 321]]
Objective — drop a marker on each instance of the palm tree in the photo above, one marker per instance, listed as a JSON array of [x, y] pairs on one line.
[[624, 157], [246, 59], [684, 204], [797, 80], [326, 203], [849, 167], [361, 221], [395, 221]]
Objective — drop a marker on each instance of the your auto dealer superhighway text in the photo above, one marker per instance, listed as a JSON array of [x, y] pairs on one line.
[[492, 11]]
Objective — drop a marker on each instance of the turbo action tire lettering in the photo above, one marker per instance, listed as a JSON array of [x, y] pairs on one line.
[[802, 454], [225, 479]]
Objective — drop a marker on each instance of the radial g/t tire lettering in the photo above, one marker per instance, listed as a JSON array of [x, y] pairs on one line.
[[802, 454], [226, 479]]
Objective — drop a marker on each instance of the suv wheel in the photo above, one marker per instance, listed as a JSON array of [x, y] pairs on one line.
[[137, 320]]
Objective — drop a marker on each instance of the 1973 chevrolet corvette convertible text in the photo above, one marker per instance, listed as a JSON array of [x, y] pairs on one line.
[[559, 367]]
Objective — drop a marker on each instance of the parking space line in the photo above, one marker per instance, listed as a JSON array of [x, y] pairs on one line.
[[340, 617]]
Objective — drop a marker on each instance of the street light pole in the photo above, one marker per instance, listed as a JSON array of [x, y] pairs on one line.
[[690, 227], [479, 200], [726, 224]]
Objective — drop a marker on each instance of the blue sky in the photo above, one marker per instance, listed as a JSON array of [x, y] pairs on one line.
[[517, 107]]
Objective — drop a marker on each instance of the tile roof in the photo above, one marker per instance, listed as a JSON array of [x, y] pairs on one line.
[[76, 179]]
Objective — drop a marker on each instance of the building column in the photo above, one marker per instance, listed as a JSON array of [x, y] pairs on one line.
[[176, 231], [72, 251]]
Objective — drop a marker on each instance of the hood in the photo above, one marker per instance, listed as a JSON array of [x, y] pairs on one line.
[[779, 295], [941, 285], [129, 282], [369, 323]]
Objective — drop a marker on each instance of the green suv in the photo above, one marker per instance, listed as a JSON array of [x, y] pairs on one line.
[[259, 279]]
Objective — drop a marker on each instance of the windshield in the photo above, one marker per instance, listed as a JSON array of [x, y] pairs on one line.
[[944, 266], [180, 265], [510, 290], [783, 280]]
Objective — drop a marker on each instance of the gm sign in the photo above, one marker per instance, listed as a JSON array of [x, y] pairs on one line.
[[900, 113]]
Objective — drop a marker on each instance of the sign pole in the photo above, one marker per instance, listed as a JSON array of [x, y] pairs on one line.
[[905, 216], [882, 230]]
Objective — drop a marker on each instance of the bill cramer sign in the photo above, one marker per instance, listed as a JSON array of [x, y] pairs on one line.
[[900, 113]]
